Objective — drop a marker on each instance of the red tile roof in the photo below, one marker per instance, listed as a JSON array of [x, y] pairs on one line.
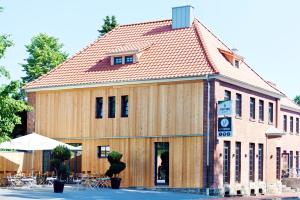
[[173, 53], [179, 53]]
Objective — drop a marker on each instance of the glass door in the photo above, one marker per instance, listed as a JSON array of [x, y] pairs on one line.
[[161, 163]]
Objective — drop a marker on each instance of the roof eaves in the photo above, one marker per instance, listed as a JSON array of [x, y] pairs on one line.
[[69, 59]]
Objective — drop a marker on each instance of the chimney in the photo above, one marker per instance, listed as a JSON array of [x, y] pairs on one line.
[[182, 17]]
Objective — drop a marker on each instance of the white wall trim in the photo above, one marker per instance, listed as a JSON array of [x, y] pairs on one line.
[[93, 85], [248, 86], [290, 108]]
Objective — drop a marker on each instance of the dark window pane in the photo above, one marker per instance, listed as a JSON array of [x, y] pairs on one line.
[[297, 125], [261, 110], [238, 162], [238, 105], [128, 59], [226, 162], [124, 106], [103, 151], [252, 162], [285, 123], [278, 162], [99, 107], [291, 124], [252, 108], [111, 107], [227, 95], [271, 118], [260, 162], [117, 60]]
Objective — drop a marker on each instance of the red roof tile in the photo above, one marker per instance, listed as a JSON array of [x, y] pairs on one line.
[[167, 53], [173, 53]]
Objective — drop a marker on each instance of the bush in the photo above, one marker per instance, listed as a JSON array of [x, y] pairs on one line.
[[116, 165], [58, 157]]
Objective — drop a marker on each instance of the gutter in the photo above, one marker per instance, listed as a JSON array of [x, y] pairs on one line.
[[208, 135]]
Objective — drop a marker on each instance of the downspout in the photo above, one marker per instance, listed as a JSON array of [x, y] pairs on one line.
[[208, 135]]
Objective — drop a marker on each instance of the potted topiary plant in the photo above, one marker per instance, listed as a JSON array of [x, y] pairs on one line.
[[116, 167], [58, 157]]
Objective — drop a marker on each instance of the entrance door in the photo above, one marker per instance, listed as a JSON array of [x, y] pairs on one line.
[[161, 163]]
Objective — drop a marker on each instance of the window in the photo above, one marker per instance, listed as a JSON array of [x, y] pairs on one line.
[[238, 162], [237, 63], [252, 108], [226, 162], [284, 123], [278, 162], [124, 106], [291, 124], [297, 125], [227, 95], [271, 118], [128, 59], [291, 161], [117, 60], [238, 105], [99, 107], [297, 162], [261, 110], [111, 107], [260, 162], [252, 162], [103, 151]]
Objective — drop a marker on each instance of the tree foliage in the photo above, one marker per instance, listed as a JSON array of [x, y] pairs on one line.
[[109, 24], [297, 99], [5, 43], [10, 103], [45, 53]]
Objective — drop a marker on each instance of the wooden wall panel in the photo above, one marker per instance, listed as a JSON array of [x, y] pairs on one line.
[[154, 110], [185, 153]]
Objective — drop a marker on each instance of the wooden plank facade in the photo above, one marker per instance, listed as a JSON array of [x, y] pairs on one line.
[[160, 112]]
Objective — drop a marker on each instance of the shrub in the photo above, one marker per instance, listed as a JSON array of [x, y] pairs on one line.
[[58, 157], [116, 165]]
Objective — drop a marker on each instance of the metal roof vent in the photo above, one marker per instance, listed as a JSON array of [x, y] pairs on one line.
[[182, 17]]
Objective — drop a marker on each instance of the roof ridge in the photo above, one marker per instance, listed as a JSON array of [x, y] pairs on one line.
[[71, 58], [203, 45], [147, 22]]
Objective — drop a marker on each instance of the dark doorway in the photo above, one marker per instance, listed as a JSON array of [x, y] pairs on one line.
[[46, 161], [161, 163]]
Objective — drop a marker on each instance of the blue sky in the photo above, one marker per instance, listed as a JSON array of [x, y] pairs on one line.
[[266, 32]]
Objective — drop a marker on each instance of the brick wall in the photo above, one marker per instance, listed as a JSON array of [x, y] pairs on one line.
[[31, 115], [208, 173]]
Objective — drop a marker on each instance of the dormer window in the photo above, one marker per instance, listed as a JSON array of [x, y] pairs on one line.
[[117, 60], [236, 63], [128, 59]]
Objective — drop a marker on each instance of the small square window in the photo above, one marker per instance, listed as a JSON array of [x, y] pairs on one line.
[[103, 151], [117, 60], [237, 63], [128, 59]]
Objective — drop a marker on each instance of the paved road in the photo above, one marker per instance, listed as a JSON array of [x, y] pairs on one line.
[[105, 194]]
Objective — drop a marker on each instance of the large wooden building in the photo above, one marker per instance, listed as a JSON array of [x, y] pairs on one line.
[[150, 90]]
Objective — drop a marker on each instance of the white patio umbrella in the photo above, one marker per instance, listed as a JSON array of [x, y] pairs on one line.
[[34, 142]]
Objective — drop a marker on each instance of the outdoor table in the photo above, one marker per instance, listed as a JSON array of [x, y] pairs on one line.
[[28, 181], [50, 180]]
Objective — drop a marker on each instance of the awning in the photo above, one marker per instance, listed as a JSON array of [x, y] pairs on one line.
[[33, 142], [273, 131]]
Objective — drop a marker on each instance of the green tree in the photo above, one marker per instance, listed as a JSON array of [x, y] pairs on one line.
[[297, 99], [109, 24], [45, 53], [10, 103], [5, 43]]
